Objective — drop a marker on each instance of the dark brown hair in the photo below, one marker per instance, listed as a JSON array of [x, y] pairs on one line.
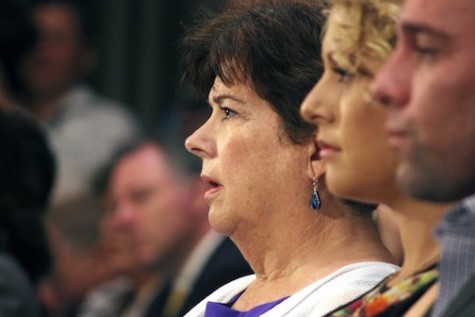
[[271, 45]]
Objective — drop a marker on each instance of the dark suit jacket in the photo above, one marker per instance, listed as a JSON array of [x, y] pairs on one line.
[[225, 264], [463, 305], [17, 298]]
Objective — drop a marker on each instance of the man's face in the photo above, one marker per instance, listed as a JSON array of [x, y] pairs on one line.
[[152, 204], [116, 247], [429, 87], [60, 57]]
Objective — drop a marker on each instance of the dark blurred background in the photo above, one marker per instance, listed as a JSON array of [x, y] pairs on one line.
[[139, 52]]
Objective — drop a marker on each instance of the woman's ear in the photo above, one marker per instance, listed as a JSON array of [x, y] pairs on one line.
[[316, 166]]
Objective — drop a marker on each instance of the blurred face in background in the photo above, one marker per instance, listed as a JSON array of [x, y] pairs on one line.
[[61, 56], [116, 247], [152, 204]]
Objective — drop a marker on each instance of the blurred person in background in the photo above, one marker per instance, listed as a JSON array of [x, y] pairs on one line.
[[83, 126], [17, 38], [27, 172], [80, 254], [27, 169], [111, 297]]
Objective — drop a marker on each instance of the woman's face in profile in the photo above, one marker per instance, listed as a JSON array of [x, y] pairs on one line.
[[249, 164], [351, 133]]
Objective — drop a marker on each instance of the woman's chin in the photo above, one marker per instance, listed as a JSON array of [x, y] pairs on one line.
[[218, 221]]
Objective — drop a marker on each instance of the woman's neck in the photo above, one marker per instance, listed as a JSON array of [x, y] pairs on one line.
[[304, 249], [417, 221]]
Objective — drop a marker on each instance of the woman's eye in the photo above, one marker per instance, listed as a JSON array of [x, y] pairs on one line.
[[343, 74], [228, 113]]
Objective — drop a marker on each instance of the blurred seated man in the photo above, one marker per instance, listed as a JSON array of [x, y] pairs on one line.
[[84, 127], [127, 276], [155, 194], [78, 261]]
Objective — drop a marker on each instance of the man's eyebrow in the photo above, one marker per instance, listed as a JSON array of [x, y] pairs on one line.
[[420, 28]]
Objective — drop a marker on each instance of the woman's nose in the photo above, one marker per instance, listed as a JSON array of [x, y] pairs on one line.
[[314, 108], [307, 110], [200, 142]]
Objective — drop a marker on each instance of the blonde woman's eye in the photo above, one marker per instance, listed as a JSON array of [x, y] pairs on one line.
[[343, 74]]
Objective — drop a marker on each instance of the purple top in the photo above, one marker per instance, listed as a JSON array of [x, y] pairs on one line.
[[224, 310]]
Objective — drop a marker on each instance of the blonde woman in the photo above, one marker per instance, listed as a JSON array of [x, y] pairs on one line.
[[360, 35]]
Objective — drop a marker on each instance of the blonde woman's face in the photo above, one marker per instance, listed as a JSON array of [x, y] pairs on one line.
[[351, 133]]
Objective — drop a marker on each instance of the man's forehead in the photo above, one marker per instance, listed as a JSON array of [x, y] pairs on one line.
[[439, 17]]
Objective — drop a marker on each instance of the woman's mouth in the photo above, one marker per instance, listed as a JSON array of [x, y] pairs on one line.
[[327, 150], [212, 187]]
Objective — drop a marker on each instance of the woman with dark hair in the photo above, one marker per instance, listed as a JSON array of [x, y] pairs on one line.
[[309, 250]]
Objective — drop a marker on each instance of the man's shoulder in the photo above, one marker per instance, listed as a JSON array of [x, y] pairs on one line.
[[227, 257], [17, 296], [463, 305], [9, 267]]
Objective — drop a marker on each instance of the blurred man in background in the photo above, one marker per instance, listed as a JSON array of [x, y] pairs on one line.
[[84, 128]]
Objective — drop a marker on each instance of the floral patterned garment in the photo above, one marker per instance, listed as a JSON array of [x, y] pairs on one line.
[[390, 301]]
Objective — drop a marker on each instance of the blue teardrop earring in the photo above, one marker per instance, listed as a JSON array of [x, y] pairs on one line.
[[315, 202]]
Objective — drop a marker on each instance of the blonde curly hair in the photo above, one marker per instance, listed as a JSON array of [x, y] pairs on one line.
[[368, 31]]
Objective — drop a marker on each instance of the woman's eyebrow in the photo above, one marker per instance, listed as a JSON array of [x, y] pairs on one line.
[[219, 99]]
